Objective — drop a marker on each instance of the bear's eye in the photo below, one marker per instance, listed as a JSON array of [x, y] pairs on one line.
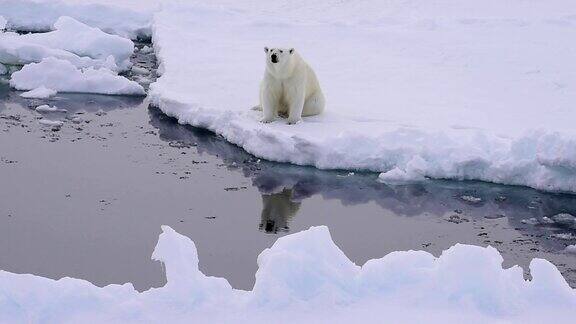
[[281, 51]]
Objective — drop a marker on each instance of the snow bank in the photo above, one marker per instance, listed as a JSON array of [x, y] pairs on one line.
[[62, 76], [414, 89], [39, 93], [71, 40], [305, 277], [124, 18]]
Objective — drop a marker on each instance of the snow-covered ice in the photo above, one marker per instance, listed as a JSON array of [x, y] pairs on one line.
[[52, 123], [71, 40], [39, 93], [63, 76], [83, 40], [443, 89], [305, 277], [126, 18], [48, 108]]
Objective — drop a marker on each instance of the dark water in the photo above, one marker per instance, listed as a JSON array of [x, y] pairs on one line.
[[87, 200]]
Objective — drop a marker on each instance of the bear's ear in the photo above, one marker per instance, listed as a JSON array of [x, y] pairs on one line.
[[291, 51], [265, 49]]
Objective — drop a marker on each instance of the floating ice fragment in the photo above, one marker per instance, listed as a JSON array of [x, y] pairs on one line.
[[39, 93], [53, 123]]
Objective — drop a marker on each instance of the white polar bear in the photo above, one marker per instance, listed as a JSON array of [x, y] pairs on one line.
[[289, 87]]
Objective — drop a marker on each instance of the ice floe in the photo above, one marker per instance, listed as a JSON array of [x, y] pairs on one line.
[[62, 76], [306, 277], [71, 40], [412, 91]]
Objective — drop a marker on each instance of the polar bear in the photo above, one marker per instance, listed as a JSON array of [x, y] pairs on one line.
[[289, 88]]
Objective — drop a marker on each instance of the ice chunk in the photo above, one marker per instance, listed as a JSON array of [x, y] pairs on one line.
[[39, 93], [70, 36], [471, 199], [564, 219], [530, 221], [398, 175], [564, 236], [15, 50], [62, 76], [570, 249], [547, 220], [53, 123], [146, 49], [83, 40], [139, 70], [47, 108], [3, 69]]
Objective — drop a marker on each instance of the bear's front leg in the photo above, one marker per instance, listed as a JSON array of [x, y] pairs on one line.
[[268, 107], [296, 105]]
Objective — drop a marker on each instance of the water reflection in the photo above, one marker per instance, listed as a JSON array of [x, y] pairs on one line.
[[277, 211], [283, 186]]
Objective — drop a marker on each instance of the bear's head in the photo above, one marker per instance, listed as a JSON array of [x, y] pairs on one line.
[[278, 56]]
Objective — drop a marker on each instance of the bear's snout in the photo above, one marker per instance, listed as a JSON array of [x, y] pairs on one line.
[[274, 58]]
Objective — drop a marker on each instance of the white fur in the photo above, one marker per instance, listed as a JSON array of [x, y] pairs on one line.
[[289, 87]]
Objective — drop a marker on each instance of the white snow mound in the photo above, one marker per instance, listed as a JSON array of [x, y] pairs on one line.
[[62, 76], [305, 277], [71, 40]]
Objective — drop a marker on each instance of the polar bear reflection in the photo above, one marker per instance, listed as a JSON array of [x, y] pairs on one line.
[[277, 211]]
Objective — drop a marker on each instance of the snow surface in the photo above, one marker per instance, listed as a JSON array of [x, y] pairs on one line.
[[63, 76], [82, 45], [3, 23], [39, 93], [124, 18], [443, 89], [305, 277]]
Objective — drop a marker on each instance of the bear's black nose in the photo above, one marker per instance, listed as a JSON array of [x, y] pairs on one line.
[[274, 58]]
